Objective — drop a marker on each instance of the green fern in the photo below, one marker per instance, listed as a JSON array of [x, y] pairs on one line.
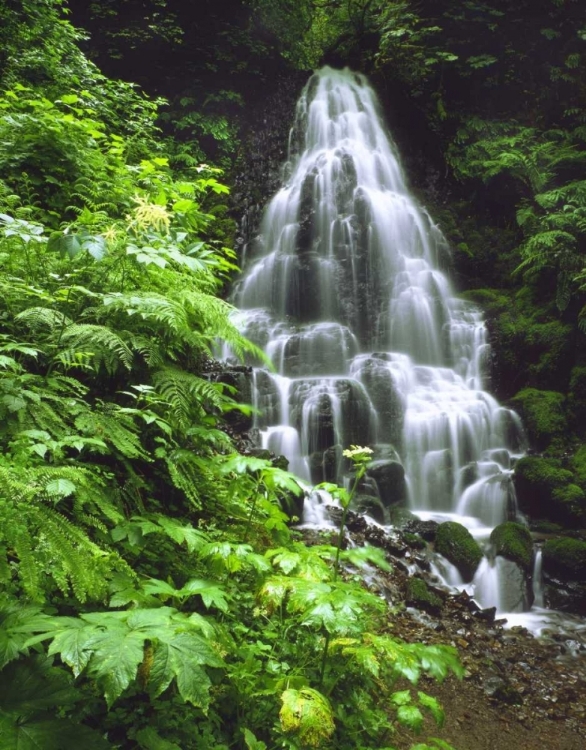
[[105, 346]]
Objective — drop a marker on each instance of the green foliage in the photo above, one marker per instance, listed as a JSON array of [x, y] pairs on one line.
[[140, 554], [307, 715], [457, 544], [513, 541], [28, 718]]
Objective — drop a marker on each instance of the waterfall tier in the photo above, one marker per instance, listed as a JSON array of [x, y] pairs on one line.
[[346, 290]]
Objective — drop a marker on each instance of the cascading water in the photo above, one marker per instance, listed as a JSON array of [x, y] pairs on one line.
[[346, 293]]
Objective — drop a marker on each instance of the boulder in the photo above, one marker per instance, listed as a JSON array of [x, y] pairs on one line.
[[565, 558], [425, 529], [564, 574], [390, 479], [369, 506], [421, 596], [546, 490], [457, 545], [543, 414], [513, 541]]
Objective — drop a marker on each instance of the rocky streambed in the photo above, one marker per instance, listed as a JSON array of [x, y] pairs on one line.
[[520, 691]]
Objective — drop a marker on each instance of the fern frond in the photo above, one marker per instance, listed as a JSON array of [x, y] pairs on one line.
[[106, 346], [188, 396], [108, 423], [27, 564], [188, 473], [71, 550], [39, 318], [156, 308], [149, 349]]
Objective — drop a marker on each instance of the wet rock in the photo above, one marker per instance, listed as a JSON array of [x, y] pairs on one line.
[[488, 614], [325, 465], [370, 506], [418, 594], [425, 529], [390, 479], [545, 489], [564, 573], [566, 596], [386, 398], [457, 545], [513, 541], [498, 688], [413, 540]]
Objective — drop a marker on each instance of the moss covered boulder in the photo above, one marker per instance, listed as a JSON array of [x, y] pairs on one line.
[[370, 506], [457, 545], [565, 558], [579, 465], [564, 574], [543, 414], [419, 595], [546, 490], [577, 399], [513, 541]]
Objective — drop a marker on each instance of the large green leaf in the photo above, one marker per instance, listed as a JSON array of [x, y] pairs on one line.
[[33, 685], [162, 670], [410, 716], [44, 732], [182, 658], [115, 660], [149, 739], [73, 645]]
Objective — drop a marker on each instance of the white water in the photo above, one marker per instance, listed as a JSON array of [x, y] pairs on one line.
[[346, 291]]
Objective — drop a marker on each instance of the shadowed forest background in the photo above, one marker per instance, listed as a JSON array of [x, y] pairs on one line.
[[154, 592]]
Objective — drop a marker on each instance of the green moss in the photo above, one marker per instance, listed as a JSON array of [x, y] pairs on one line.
[[546, 490], [413, 540], [577, 399], [513, 541], [565, 558], [579, 464], [571, 502], [546, 527], [529, 348], [492, 301], [457, 545], [419, 595], [545, 471], [543, 415], [400, 516]]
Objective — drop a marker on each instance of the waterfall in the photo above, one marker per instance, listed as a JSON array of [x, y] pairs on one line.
[[346, 290]]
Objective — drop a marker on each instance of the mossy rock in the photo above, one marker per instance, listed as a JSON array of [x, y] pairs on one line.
[[550, 345], [513, 541], [419, 595], [399, 516], [565, 558], [577, 399], [570, 502], [413, 540], [492, 301], [370, 506], [546, 490], [579, 465], [546, 527], [457, 545], [543, 414]]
